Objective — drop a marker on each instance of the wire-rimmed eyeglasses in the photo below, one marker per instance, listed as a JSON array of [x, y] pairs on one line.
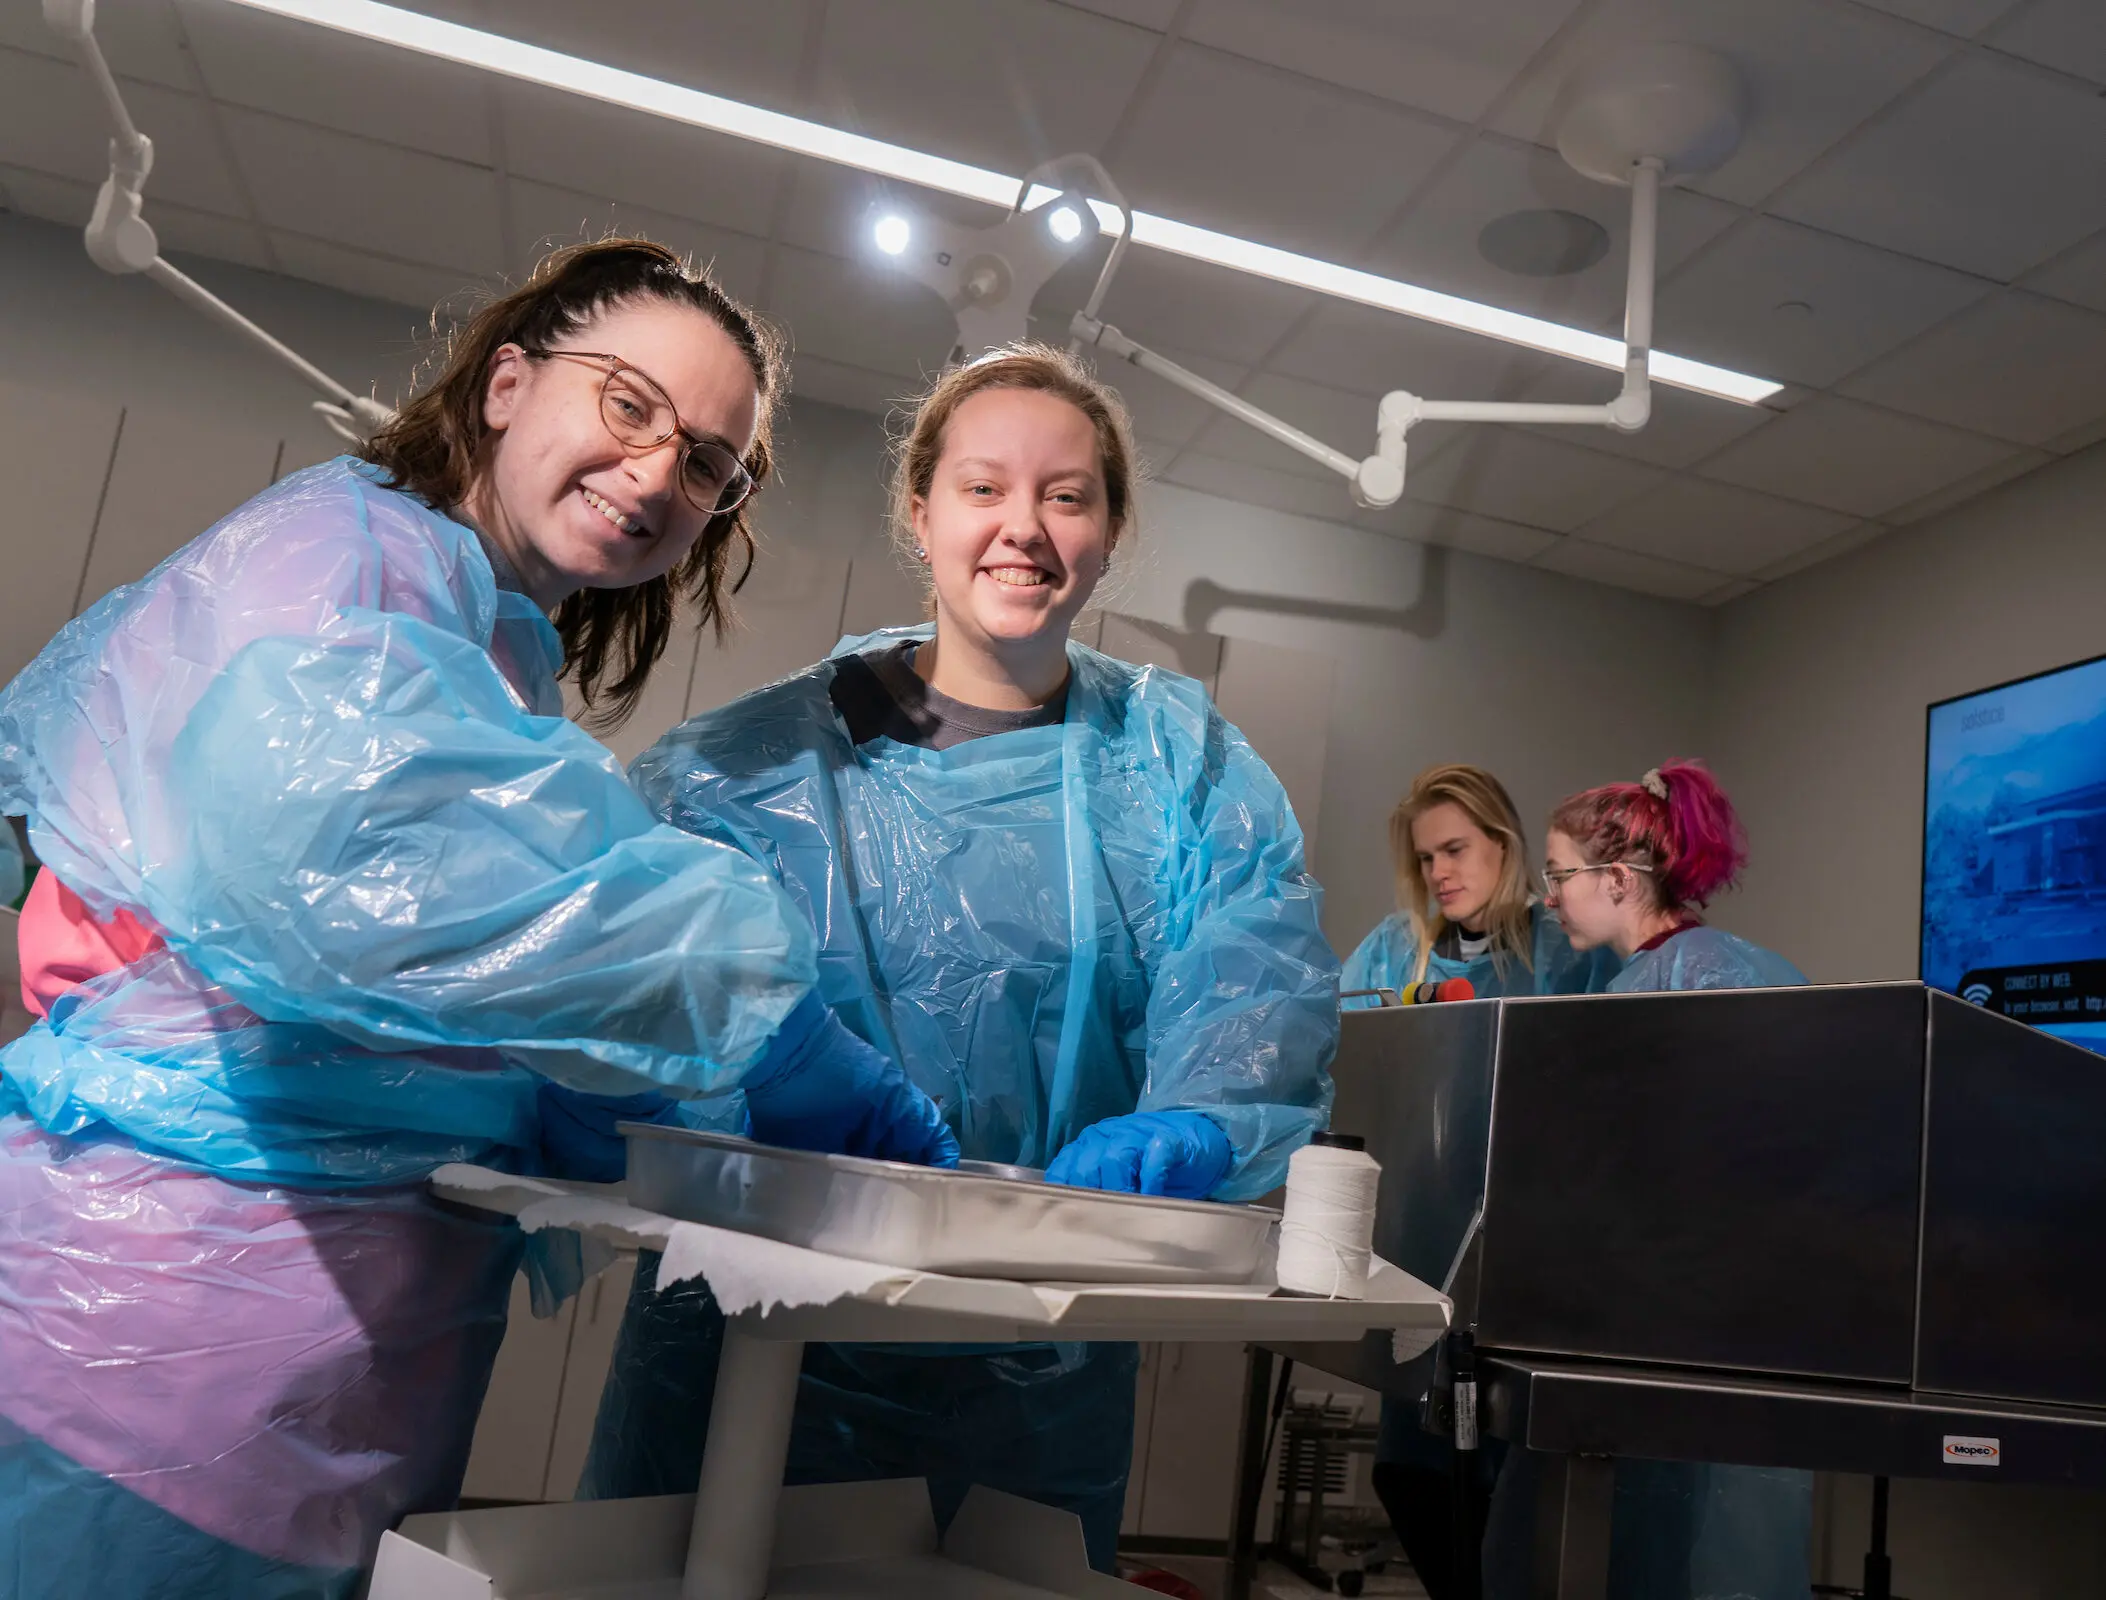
[[641, 416]]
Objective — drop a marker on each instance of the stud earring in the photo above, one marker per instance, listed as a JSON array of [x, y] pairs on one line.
[[921, 554]]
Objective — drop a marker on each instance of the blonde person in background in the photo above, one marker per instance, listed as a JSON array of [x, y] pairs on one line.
[[1467, 911], [1467, 907]]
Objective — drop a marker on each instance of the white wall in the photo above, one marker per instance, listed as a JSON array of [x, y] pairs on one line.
[[1821, 682]]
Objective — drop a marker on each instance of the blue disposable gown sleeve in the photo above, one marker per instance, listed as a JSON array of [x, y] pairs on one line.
[[1380, 961], [1243, 1013], [301, 760]]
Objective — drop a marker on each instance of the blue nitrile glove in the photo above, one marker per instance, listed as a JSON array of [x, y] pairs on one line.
[[819, 1087], [577, 1130], [1181, 1154]]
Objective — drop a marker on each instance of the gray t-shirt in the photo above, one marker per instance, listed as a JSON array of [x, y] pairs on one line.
[[881, 696]]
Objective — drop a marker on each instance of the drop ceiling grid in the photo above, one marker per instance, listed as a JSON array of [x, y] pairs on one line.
[[1146, 40]]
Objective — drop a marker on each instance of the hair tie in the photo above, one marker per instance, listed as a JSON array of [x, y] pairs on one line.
[[1653, 784]]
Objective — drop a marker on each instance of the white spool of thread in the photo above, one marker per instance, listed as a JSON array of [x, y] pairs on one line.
[[1327, 1232]]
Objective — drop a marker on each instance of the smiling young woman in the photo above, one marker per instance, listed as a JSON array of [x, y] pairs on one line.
[[1063, 891]]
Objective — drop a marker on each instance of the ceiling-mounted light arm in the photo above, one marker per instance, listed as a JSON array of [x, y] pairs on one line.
[[121, 241], [1378, 480], [1101, 192]]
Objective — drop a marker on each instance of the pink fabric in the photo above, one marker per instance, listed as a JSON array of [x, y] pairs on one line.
[[289, 1372], [61, 943]]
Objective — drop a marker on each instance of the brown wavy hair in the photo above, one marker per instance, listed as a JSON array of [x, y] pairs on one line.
[[433, 449]]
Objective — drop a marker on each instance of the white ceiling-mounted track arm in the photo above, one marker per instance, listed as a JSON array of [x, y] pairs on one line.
[[121, 240], [1645, 116]]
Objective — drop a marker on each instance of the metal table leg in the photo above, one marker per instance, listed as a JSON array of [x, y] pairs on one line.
[[1572, 1528], [1251, 1451], [733, 1542]]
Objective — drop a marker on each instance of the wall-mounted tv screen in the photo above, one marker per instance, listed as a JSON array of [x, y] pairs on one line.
[[2014, 850]]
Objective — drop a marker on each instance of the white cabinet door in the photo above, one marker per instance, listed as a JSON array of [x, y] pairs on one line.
[[509, 1459], [1143, 1416], [599, 1322], [1151, 644], [173, 477], [1281, 701], [55, 451], [789, 617], [1189, 1484]]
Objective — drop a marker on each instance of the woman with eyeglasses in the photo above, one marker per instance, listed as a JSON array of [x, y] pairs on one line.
[[332, 892], [1630, 867]]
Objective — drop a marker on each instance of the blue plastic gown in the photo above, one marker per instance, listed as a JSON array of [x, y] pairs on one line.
[[1705, 958], [1681, 1530], [322, 752], [1047, 927], [1389, 956]]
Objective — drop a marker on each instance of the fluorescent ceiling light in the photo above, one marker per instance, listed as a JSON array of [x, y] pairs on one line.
[[450, 41]]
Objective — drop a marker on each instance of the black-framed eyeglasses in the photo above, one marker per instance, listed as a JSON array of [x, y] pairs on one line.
[[642, 416]]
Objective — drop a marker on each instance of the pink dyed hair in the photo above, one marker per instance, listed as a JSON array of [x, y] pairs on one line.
[[1692, 840]]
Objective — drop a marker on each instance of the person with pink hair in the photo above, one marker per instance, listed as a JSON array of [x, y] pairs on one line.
[[1629, 866]]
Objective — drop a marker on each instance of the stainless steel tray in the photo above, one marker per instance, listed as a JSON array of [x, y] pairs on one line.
[[982, 1220]]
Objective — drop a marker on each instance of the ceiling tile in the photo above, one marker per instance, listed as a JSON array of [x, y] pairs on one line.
[[1850, 457], [593, 148], [1731, 305], [730, 47], [2068, 35], [1992, 169], [141, 39], [2015, 367], [1851, 539], [1964, 18], [200, 233], [2077, 275], [1244, 481], [830, 209], [838, 384], [1715, 527], [38, 194], [1162, 412], [1458, 530], [1621, 569], [401, 283], [1436, 244], [1368, 351], [837, 310], [1683, 430], [51, 120], [250, 58], [1226, 143], [372, 197], [1814, 71], [1451, 57], [1156, 14], [179, 230], [1342, 420], [1193, 305], [2016, 465], [545, 218], [1524, 477], [1005, 84]]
